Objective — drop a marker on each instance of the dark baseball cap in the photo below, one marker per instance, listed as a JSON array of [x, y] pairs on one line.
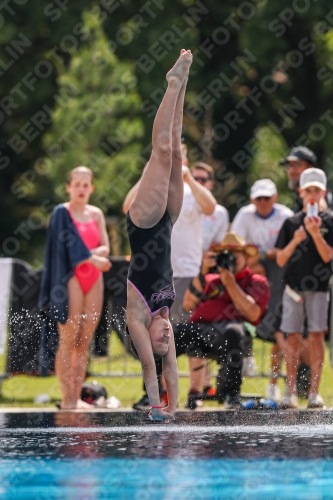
[[300, 153]]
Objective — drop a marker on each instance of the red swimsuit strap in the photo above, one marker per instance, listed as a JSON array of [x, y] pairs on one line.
[[91, 215]]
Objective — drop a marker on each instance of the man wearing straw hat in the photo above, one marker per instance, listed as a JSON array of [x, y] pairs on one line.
[[224, 295]]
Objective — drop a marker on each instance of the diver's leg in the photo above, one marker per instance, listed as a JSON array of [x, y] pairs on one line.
[[151, 199], [176, 184]]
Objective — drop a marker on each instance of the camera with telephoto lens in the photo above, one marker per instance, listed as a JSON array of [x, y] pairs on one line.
[[224, 260]]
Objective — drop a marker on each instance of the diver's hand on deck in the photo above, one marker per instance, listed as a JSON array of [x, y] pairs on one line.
[[160, 414]]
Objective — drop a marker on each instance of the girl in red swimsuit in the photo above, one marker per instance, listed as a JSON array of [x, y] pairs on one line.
[[85, 289]]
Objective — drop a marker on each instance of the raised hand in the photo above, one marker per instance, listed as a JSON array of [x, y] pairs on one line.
[[186, 173], [227, 277], [300, 235], [312, 225], [208, 261]]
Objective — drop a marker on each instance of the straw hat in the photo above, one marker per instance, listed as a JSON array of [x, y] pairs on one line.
[[235, 243]]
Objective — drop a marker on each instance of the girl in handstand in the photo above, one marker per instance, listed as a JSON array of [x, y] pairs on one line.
[[154, 210]]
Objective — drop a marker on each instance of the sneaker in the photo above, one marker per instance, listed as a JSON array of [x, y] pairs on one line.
[[192, 401], [143, 404], [249, 404], [273, 392], [267, 404], [232, 402], [315, 401], [289, 402], [164, 398], [235, 403], [249, 367], [210, 392]]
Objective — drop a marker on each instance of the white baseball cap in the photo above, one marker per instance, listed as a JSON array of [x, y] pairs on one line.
[[313, 177], [263, 187]]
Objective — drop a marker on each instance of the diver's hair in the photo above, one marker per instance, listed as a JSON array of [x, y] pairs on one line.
[[156, 356], [200, 165], [79, 170]]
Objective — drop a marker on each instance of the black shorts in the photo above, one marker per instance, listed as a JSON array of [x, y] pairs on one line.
[[212, 340], [272, 318]]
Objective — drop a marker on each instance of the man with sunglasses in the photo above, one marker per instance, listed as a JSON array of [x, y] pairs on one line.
[[186, 239], [259, 223], [214, 228], [299, 159], [215, 225]]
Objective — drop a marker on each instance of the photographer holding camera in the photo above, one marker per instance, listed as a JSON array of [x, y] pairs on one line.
[[224, 295]]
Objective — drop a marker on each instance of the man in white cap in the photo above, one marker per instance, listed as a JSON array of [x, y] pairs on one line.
[[305, 246], [259, 223]]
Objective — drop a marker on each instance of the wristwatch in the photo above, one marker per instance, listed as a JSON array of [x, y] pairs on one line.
[[262, 255]]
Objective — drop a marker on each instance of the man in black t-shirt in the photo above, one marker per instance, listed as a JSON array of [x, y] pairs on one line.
[[306, 249], [299, 159]]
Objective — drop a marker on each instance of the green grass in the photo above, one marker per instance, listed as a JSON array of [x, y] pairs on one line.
[[20, 390]]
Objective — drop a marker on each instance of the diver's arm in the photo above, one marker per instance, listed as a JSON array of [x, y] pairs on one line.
[[141, 340], [170, 372]]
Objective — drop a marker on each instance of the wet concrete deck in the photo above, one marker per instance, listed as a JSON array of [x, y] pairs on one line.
[[21, 417]]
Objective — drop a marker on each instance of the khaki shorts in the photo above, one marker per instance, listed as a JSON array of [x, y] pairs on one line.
[[177, 312], [314, 308]]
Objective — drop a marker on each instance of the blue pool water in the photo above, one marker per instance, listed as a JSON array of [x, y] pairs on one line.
[[165, 479], [204, 456]]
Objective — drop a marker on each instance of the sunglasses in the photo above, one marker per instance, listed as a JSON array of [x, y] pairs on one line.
[[201, 179], [265, 198], [295, 164]]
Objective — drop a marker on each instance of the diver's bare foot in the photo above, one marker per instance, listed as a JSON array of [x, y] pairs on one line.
[[181, 68], [82, 405]]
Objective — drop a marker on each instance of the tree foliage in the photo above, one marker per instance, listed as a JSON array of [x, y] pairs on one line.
[[261, 70], [96, 122], [29, 32], [270, 148]]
